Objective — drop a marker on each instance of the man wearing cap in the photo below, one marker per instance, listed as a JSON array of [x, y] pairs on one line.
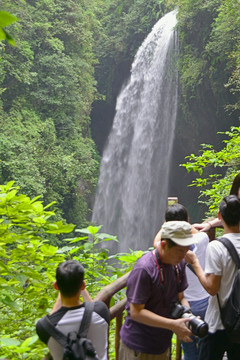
[[156, 282]]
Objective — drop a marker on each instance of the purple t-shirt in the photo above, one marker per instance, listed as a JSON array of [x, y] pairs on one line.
[[144, 287]]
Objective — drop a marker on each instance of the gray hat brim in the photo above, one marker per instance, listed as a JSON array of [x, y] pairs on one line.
[[186, 241]]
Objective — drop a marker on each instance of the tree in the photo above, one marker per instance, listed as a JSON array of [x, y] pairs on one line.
[[214, 186], [47, 88]]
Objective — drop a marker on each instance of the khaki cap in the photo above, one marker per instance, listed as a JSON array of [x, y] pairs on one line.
[[180, 232]]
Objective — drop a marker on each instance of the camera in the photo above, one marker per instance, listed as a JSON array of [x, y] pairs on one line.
[[197, 326]]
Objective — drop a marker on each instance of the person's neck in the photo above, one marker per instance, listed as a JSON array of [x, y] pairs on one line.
[[70, 301], [163, 257], [231, 229]]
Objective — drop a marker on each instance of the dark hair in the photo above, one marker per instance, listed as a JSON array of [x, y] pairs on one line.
[[69, 276], [230, 210], [235, 185], [170, 243], [176, 212]]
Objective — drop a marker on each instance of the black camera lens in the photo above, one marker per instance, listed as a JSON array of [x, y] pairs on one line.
[[198, 327]]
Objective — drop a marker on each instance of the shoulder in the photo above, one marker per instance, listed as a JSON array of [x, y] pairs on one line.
[[41, 331], [143, 269], [145, 262], [202, 238], [216, 251], [180, 266], [102, 310], [215, 246]]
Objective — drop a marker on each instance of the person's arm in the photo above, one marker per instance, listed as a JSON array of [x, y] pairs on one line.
[[147, 317], [210, 282], [183, 300], [206, 226], [85, 295], [57, 304]]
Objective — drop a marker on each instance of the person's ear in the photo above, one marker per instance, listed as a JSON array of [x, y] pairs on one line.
[[55, 285], [219, 215], [83, 285], [163, 245]]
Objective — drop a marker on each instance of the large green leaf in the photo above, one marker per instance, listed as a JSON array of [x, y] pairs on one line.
[[6, 18]]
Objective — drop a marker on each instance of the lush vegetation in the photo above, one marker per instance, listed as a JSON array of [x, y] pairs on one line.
[[210, 71], [5, 20], [28, 263], [209, 51], [47, 88], [211, 165]]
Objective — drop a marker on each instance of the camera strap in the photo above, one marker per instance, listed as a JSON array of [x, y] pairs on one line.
[[178, 278], [160, 268]]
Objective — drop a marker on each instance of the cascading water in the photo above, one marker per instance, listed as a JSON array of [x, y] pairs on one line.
[[133, 185]]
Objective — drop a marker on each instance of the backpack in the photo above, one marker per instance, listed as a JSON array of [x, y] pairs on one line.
[[76, 345], [230, 312]]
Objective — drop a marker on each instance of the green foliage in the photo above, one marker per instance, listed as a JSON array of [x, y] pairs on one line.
[[6, 19], [226, 161], [28, 263], [47, 88], [209, 49]]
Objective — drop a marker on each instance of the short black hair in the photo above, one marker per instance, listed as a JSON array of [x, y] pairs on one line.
[[176, 212], [230, 210], [69, 277]]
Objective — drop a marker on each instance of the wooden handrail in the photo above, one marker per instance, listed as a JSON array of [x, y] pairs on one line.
[[108, 291]]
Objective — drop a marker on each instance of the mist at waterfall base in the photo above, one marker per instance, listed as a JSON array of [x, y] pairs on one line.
[[132, 189]]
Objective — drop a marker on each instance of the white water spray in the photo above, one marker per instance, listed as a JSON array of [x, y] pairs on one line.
[[133, 185]]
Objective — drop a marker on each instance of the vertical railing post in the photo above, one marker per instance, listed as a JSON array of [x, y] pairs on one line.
[[117, 336], [178, 349]]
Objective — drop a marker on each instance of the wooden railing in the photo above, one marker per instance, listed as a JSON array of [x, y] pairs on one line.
[[116, 311]]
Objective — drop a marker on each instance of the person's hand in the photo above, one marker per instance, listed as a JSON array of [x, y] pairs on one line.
[[181, 330], [202, 227], [190, 257]]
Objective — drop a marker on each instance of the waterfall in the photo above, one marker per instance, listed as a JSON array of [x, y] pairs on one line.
[[132, 189]]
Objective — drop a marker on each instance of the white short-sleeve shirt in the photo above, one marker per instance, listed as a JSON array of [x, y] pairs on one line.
[[219, 262], [195, 290]]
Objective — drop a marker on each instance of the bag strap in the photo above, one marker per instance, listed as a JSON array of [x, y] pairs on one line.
[[47, 325], [86, 320], [232, 250], [191, 268], [234, 255]]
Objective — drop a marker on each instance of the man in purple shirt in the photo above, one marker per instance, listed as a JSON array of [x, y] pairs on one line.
[[155, 284]]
